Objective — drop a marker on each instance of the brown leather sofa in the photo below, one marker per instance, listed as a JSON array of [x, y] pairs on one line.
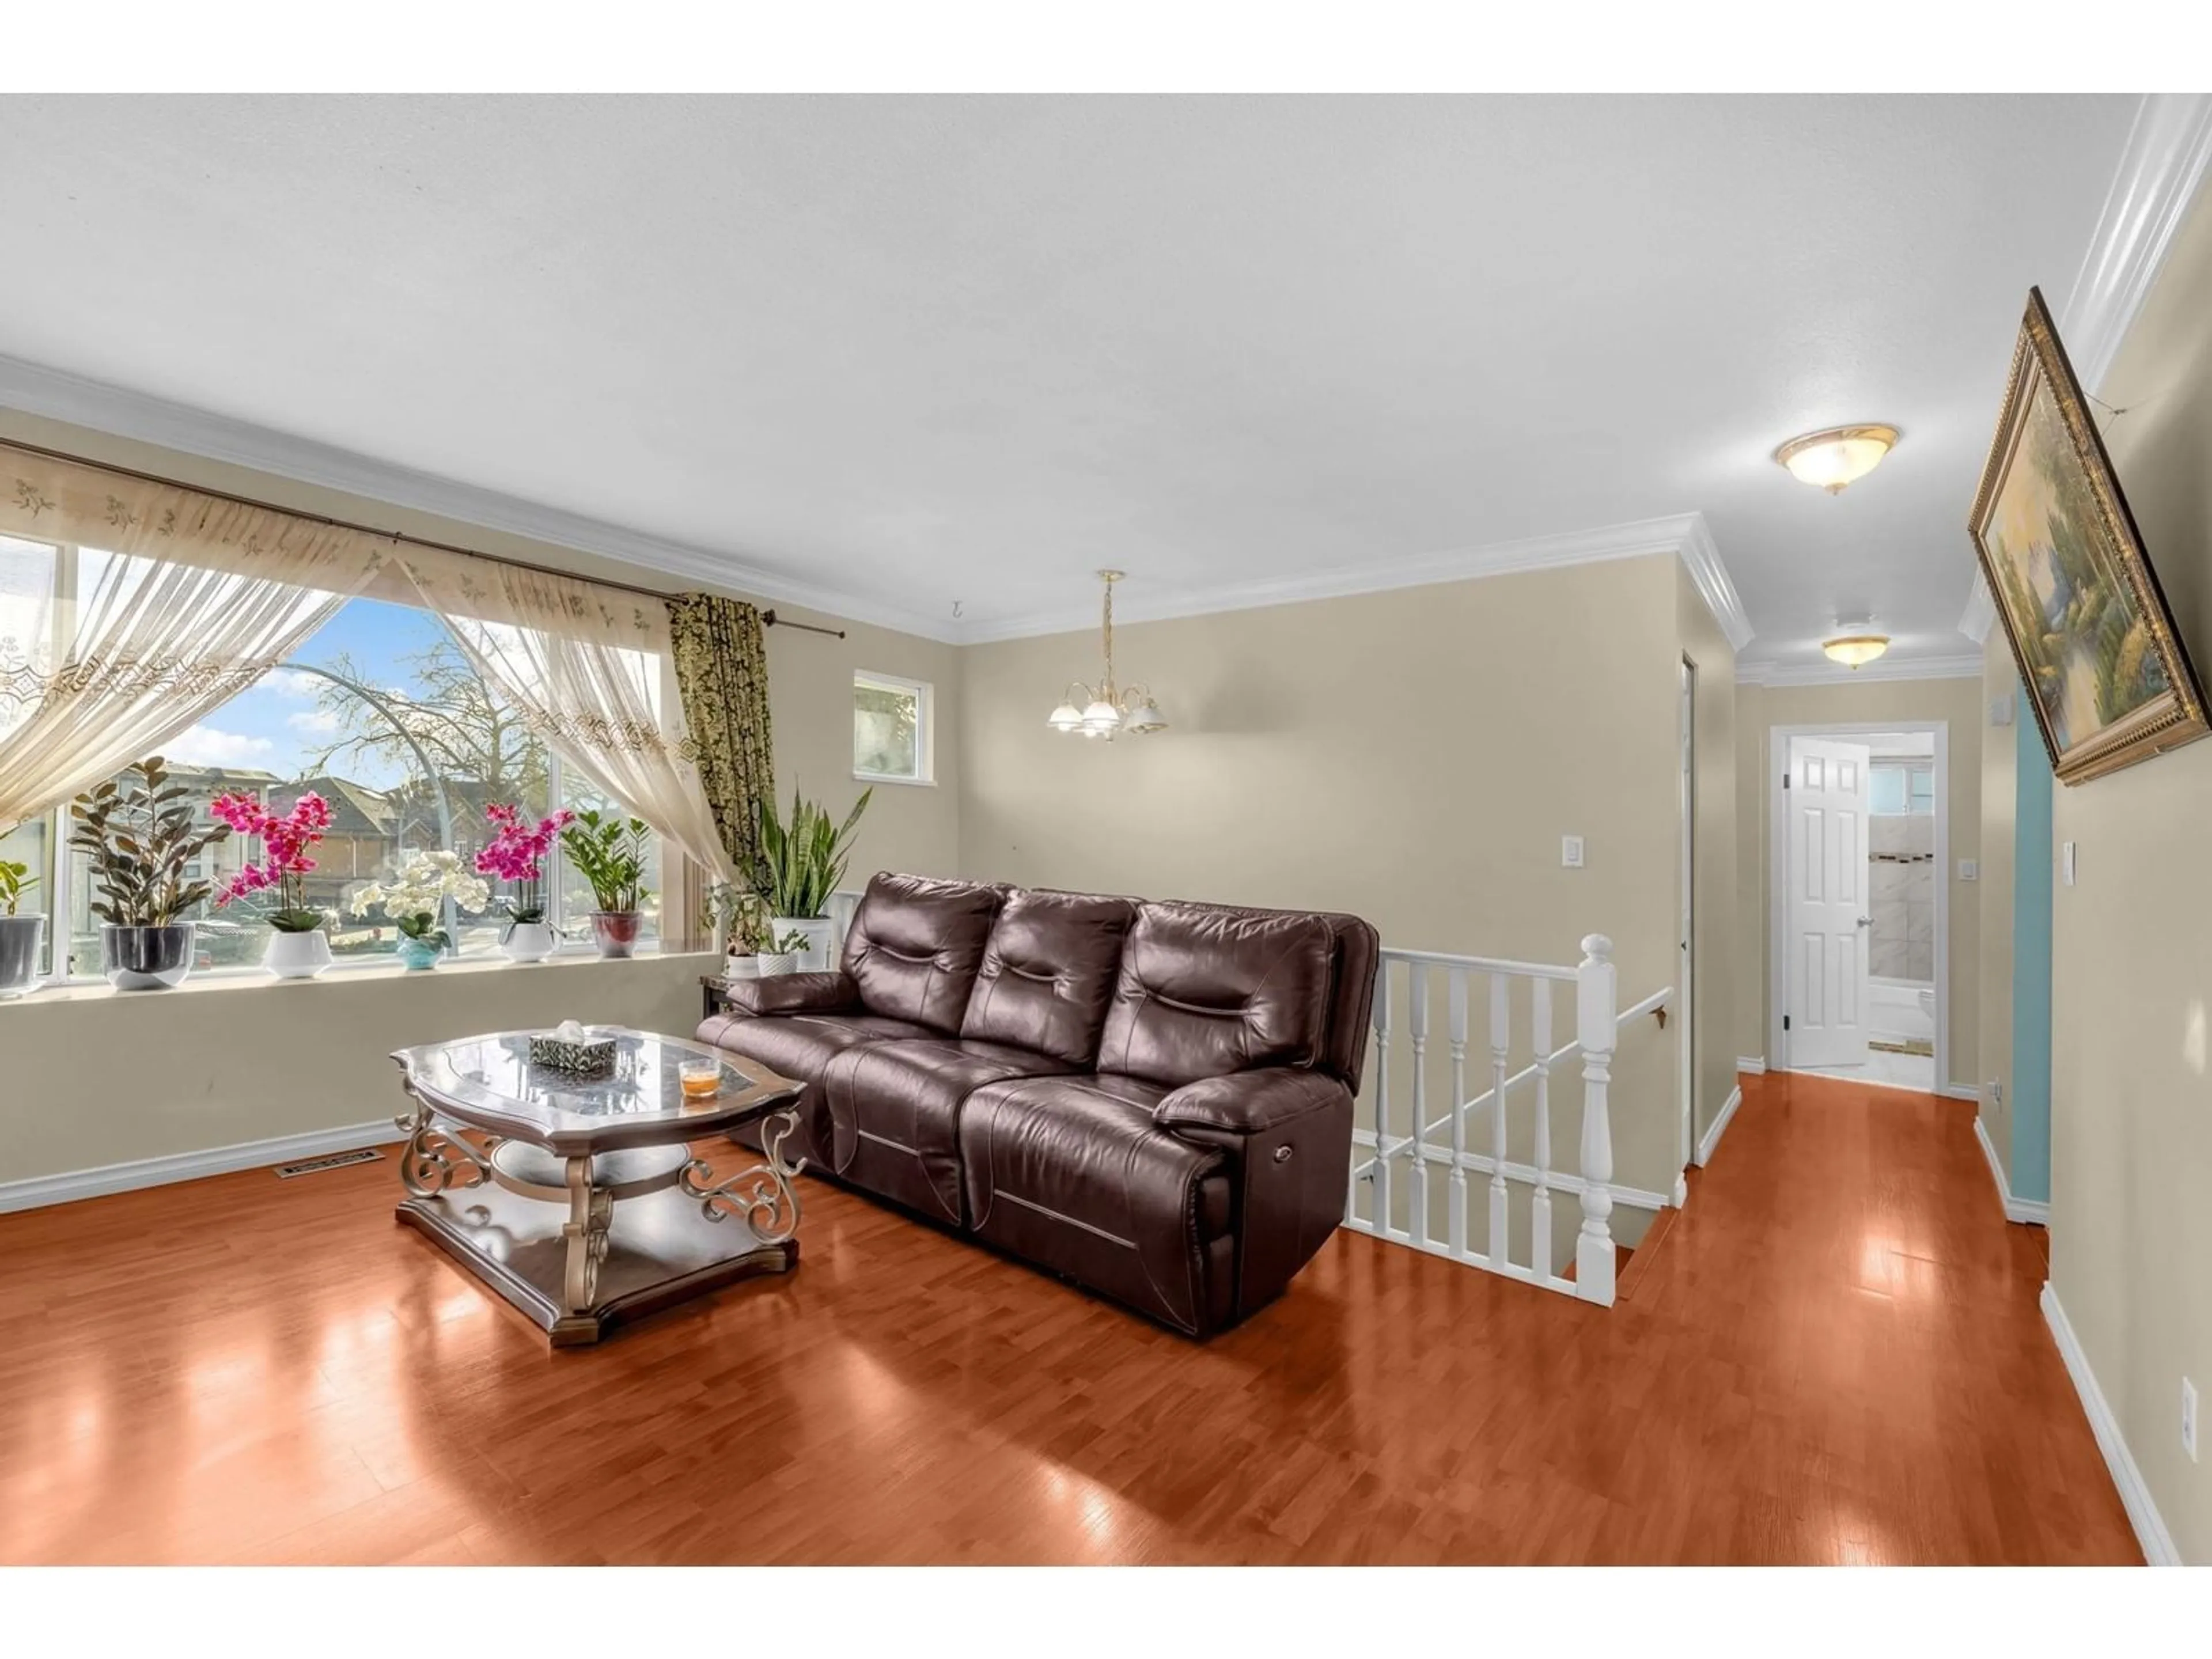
[[1152, 1099]]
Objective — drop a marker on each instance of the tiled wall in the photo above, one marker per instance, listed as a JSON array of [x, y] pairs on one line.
[[1901, 882]]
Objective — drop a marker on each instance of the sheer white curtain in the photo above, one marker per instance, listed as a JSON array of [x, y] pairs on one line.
[[588, 667], [129, 609]]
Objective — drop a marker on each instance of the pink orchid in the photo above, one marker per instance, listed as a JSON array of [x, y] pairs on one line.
[[285, 843], [516, 855]]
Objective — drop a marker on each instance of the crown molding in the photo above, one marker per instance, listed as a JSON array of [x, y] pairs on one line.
[[1882, 668], [2168, 152], [1703, 557], [1981, 612], [35, 390], [1684, 534]]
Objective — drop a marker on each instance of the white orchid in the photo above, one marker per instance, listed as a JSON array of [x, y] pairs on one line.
[[424, 883]]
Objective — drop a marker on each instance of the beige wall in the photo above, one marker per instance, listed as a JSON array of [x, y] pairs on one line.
[[1412, 757], [1719, 981], [2000, 783], [1759, 708], [810, 675], [2132, 993], [115, 1078]]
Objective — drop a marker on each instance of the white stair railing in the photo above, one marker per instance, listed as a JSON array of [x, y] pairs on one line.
[[1402, 1146]]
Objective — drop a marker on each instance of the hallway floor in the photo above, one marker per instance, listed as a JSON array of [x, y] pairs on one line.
[[1834, 1354], [1896, 1071]]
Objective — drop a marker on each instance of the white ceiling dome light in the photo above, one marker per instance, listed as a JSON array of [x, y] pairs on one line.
[[1106, 708], [1855, 650], [1837, 456]]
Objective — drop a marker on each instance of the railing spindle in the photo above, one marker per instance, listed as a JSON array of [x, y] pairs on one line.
[[1458, 985], [1540, 1206], [1501, 1032], [1417, 1024], [1594, 1001], [1382, 1100]]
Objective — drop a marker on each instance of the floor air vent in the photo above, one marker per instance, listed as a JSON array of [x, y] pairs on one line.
[[335, 1161]]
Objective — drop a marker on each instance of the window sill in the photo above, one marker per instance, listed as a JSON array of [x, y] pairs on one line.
[[217, 980], [882, 777]]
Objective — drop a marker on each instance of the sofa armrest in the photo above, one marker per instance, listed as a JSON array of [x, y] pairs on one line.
[[1248, 1102], [833, 992]]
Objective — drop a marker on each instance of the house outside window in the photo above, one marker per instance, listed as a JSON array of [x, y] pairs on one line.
[[893, 741]]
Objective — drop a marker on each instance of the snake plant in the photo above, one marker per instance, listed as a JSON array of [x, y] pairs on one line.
[[803, 862]]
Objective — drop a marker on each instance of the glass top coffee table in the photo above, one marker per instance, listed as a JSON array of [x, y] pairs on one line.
[[578, 1199]]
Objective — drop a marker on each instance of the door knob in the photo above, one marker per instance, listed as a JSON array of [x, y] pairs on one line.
[[1866, 921]]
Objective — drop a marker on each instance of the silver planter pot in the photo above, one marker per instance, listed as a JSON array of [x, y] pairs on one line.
[[146, 958], [19, 953]]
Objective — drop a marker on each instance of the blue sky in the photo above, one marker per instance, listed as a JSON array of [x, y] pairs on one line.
[[278, 726]]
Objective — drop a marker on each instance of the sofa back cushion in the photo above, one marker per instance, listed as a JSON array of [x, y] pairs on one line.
[[1207, 989], [1049, 973], [915, 945]]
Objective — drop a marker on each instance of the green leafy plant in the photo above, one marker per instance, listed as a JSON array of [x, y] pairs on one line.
[[740, 911], [608, 851], [137, 841], [789, 945], [802, 862], [16, 880]]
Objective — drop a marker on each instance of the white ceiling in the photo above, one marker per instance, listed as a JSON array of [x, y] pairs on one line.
[[916, 351]]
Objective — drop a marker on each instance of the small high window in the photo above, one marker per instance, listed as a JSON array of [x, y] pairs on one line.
[[892, 739]]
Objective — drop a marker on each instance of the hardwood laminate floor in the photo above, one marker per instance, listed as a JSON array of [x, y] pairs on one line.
[[1834, 1354]]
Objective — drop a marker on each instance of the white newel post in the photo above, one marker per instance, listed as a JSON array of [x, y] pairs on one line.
[[1417, 1025], [1595, 999], [1382, 1187]]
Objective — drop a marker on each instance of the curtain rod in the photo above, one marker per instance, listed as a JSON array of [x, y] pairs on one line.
[[769, 619]]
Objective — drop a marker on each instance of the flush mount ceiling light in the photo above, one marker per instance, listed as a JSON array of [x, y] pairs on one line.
[[1104, 709], [1834, 458], [1854, 649]]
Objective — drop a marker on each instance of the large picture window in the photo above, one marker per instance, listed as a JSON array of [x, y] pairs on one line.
[[381, 712]]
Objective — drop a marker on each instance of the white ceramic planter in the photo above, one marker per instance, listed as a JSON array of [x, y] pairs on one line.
[[529, 941], [297, 956], [769, 963], [815, 959], [745, 966]]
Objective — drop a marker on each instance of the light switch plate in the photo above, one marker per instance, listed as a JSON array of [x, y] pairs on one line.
[[2000, 710], [2189, 1419], [1969, 869], [1571, 852], [2066, 864]]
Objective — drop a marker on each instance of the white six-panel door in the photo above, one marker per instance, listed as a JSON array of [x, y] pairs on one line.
[[1829, 914]]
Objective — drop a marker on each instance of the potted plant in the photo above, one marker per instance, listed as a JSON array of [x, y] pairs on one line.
[[137, 844], [517, 856], [298, 946], [801, 864], [735, 914], [414, 898], [782, 955], [20, 935], [608, 851]]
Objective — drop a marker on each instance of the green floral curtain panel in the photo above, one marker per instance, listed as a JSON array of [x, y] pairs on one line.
[[721, 672]]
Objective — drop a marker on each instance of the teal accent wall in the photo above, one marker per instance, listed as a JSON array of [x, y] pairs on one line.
[[2032, 871]]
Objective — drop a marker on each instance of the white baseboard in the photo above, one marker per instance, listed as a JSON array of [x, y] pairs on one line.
[[41, 1190], [1754, 1064], [1720, 1126], [2026, 1209], [1960, 1091], [2150, 1527]]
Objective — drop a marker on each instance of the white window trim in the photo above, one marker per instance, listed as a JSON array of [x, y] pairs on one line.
[[925, 727]]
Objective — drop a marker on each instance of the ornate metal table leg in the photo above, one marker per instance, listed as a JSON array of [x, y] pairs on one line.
[[762, 1194], [589, 1210], [427, 1167]]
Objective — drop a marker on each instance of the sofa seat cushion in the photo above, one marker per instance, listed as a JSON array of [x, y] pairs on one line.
[[1072, 1174], [800, 1047], [890, 1115]]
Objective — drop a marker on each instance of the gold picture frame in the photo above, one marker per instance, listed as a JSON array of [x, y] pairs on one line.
[[2106, 672]]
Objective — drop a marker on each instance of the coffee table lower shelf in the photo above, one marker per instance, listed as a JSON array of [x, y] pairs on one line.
[[659, 1250]]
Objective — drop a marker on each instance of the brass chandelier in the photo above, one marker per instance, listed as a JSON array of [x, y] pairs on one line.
[[1103, 710]]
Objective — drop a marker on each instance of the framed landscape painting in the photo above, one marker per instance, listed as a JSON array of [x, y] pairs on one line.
[[2110, 680]]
